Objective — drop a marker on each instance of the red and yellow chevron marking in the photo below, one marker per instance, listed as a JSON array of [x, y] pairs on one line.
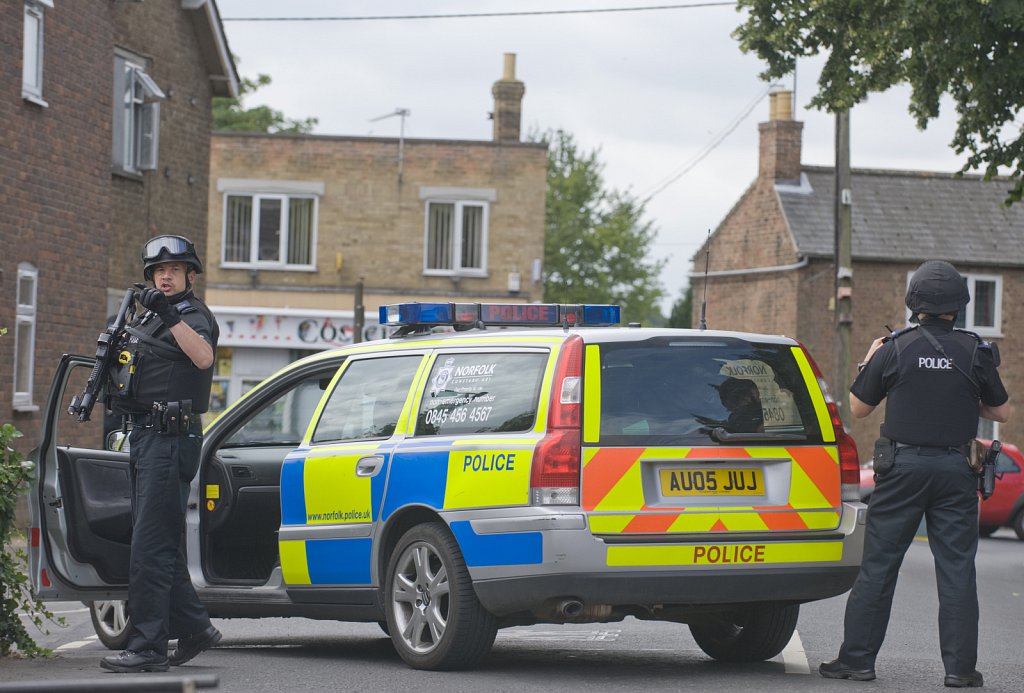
[[614, 483]]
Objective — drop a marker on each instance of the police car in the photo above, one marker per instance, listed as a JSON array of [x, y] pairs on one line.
[[492, 465]]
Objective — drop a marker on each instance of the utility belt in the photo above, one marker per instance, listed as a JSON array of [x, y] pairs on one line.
[[964, 449], [170, 418], [884, 456]]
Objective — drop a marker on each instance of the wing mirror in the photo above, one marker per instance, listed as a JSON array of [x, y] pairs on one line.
[[117, 441]]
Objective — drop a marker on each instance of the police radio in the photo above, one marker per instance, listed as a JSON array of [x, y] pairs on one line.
[[107, 347]]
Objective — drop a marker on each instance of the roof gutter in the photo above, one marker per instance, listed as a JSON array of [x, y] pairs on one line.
[[753, 270]]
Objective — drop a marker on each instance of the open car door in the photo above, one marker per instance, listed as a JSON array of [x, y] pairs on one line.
[[79, 503]]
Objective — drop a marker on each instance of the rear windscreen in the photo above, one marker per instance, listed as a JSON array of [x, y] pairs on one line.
[[671, 391]]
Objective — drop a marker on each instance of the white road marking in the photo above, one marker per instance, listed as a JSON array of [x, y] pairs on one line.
[[70, 611], [78, 643], [794, 657], [587, 635]]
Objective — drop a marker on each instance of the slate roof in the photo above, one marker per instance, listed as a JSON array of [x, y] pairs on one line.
[[904, 216]]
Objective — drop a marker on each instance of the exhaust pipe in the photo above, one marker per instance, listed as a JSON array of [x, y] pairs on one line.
[[569, 609]]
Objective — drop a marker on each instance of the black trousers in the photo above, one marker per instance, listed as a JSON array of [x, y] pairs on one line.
[[939, 486], [162, 604]]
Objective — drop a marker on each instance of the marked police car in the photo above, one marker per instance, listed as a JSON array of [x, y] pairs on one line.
[[448, 485]]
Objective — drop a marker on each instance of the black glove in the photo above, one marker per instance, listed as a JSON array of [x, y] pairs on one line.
[[154, 300]]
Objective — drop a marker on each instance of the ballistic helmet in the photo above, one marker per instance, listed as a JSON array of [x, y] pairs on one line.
[[936, 288], [169, 249]]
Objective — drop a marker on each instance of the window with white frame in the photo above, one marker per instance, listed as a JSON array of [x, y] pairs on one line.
[[136, 123], [25, 334], [32, 51], [455, 231], [269, 231], [984, 313]]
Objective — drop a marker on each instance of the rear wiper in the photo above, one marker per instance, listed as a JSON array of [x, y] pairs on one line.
[[721, 435]]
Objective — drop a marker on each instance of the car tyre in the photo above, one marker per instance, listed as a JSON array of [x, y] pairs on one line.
[[1018, 524], [111, 623], [434, 617], [986, 530], [751, 636]]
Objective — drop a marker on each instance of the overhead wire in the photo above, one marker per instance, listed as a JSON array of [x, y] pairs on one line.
[[463, 15], [708, 148]]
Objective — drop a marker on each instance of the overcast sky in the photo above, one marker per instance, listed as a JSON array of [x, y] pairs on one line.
[[652, 90]]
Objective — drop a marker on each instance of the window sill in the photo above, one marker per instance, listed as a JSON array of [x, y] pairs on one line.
[[32, 98], [125, 173], [26, 408], [264, 268], [456, 275]]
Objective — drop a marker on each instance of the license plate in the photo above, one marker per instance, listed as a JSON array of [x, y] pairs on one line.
[[712, 482]]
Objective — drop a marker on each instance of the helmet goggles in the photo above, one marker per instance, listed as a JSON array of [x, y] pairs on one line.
[[171, 245]]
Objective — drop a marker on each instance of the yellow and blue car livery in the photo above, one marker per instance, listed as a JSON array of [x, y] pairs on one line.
[[734, 519]]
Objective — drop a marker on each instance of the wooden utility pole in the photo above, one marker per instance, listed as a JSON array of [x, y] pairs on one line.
[[843, 263]]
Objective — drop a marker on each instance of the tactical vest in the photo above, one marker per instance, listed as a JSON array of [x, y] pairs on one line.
[[151, 367], [934, 400]]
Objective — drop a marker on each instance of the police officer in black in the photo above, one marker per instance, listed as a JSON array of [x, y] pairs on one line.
[[161, 387], [937, 381]]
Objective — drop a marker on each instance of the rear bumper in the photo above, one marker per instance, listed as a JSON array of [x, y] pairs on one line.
[[507, 596], [525, 561]]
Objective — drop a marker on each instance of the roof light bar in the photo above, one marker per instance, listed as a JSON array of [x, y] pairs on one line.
[[500, 314]]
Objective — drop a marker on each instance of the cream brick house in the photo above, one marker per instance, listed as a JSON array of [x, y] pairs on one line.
[[298, 222], [772, 268]]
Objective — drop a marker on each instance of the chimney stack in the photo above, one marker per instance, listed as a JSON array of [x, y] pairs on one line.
[[508, 103], [780, 140]]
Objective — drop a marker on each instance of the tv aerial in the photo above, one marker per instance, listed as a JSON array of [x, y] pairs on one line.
[[402, 114]]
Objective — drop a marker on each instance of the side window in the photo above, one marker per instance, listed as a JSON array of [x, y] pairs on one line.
[[25, 335], [481, 393], [284, 419], [136, 124], [367, 402], [32, 51]]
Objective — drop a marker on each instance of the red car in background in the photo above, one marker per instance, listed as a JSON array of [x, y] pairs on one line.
[[1005, 508]]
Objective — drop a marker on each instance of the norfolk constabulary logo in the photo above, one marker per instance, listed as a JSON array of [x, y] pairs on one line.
[[444, 375]]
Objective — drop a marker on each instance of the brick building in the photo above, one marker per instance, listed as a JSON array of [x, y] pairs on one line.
[[772, 268], [296, 222], [105, 142]]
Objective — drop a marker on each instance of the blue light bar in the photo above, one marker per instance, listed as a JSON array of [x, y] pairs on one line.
[[417, 314], [500, 314]]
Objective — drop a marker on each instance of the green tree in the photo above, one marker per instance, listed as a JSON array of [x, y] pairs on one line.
[[16, 599], [597, 245], [682, 310], [972, 50], [230, 114]]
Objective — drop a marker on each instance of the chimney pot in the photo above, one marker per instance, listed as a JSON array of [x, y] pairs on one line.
[[510, 67]]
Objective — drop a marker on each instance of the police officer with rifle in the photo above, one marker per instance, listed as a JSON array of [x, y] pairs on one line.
[[937, 381], [160, 383]]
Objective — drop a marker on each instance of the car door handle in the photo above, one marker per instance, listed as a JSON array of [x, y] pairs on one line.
[[369, 466]]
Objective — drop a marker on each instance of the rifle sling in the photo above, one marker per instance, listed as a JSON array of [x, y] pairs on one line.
[[162, 349]]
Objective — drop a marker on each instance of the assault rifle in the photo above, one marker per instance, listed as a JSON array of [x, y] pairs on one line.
[[107, 347], [987, 476]]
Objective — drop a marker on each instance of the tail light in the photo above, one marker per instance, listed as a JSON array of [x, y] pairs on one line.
[[555, 475], [849, 459]]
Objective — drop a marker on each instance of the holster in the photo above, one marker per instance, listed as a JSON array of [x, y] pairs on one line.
[[885, 455], [172, 418]]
